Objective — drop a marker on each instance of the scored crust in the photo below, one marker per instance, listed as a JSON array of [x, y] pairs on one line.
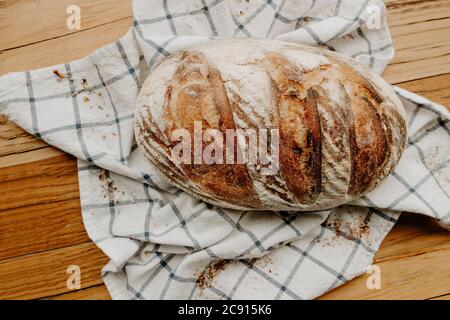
[[342, 129]]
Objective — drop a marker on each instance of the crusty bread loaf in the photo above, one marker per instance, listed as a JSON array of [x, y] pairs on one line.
[[341, 128]]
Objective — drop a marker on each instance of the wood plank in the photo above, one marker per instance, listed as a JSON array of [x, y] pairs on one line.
[[63, 49], [30, 156], [435, 88], [93, 293], [416, 277], [444, 297], [28, 21], [41, 227], [46, 181], [413, 235], [425, 67], [44, 274], [419, 30], [17, 146], [13, 139], [407, 257]]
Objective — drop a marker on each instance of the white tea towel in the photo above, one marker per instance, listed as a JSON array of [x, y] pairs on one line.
[[164, 244]]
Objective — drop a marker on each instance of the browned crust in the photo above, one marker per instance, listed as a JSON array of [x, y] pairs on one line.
[[172, 174], [334, 119], [367, 158], [154, 134], [373, 130], [339, 127], [198, 94], [299, 128], [368, 132]]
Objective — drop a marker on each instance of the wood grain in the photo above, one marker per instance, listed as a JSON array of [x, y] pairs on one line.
[[43, 274], [41, 231], [443, 297], [414, 277], [37, 154], [419, 30], [63, 49], [13, 139], [17, 146], [436, 88], [46, 181], [413, 235], [41, 227], [28, 21], [98, 292]]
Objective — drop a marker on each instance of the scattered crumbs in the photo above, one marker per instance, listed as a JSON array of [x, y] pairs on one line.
[[336, 225], [349, 35], [205, 279], [99, 94], [100, 107], [436, 165], [114, 134], [352, 229], [262, 262], [85, 85], [86, 99], [85, 88], [59, 74], [108, 184]]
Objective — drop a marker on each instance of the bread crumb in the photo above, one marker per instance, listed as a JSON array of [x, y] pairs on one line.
[[59, 74], [206, 278]]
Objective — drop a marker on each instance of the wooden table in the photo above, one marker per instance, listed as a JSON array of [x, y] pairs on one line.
[[41, 231]]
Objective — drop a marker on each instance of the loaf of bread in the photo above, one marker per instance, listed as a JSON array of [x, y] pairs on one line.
[[339, 128]]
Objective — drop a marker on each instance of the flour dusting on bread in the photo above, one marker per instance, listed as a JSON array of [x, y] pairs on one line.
[[341, 128]]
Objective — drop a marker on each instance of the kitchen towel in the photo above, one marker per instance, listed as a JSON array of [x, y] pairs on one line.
[[165, 244]]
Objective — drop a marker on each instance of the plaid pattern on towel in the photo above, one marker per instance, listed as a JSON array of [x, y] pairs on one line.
[[165, 244]]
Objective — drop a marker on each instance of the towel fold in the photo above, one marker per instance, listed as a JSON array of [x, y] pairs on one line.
[[165, 244]]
